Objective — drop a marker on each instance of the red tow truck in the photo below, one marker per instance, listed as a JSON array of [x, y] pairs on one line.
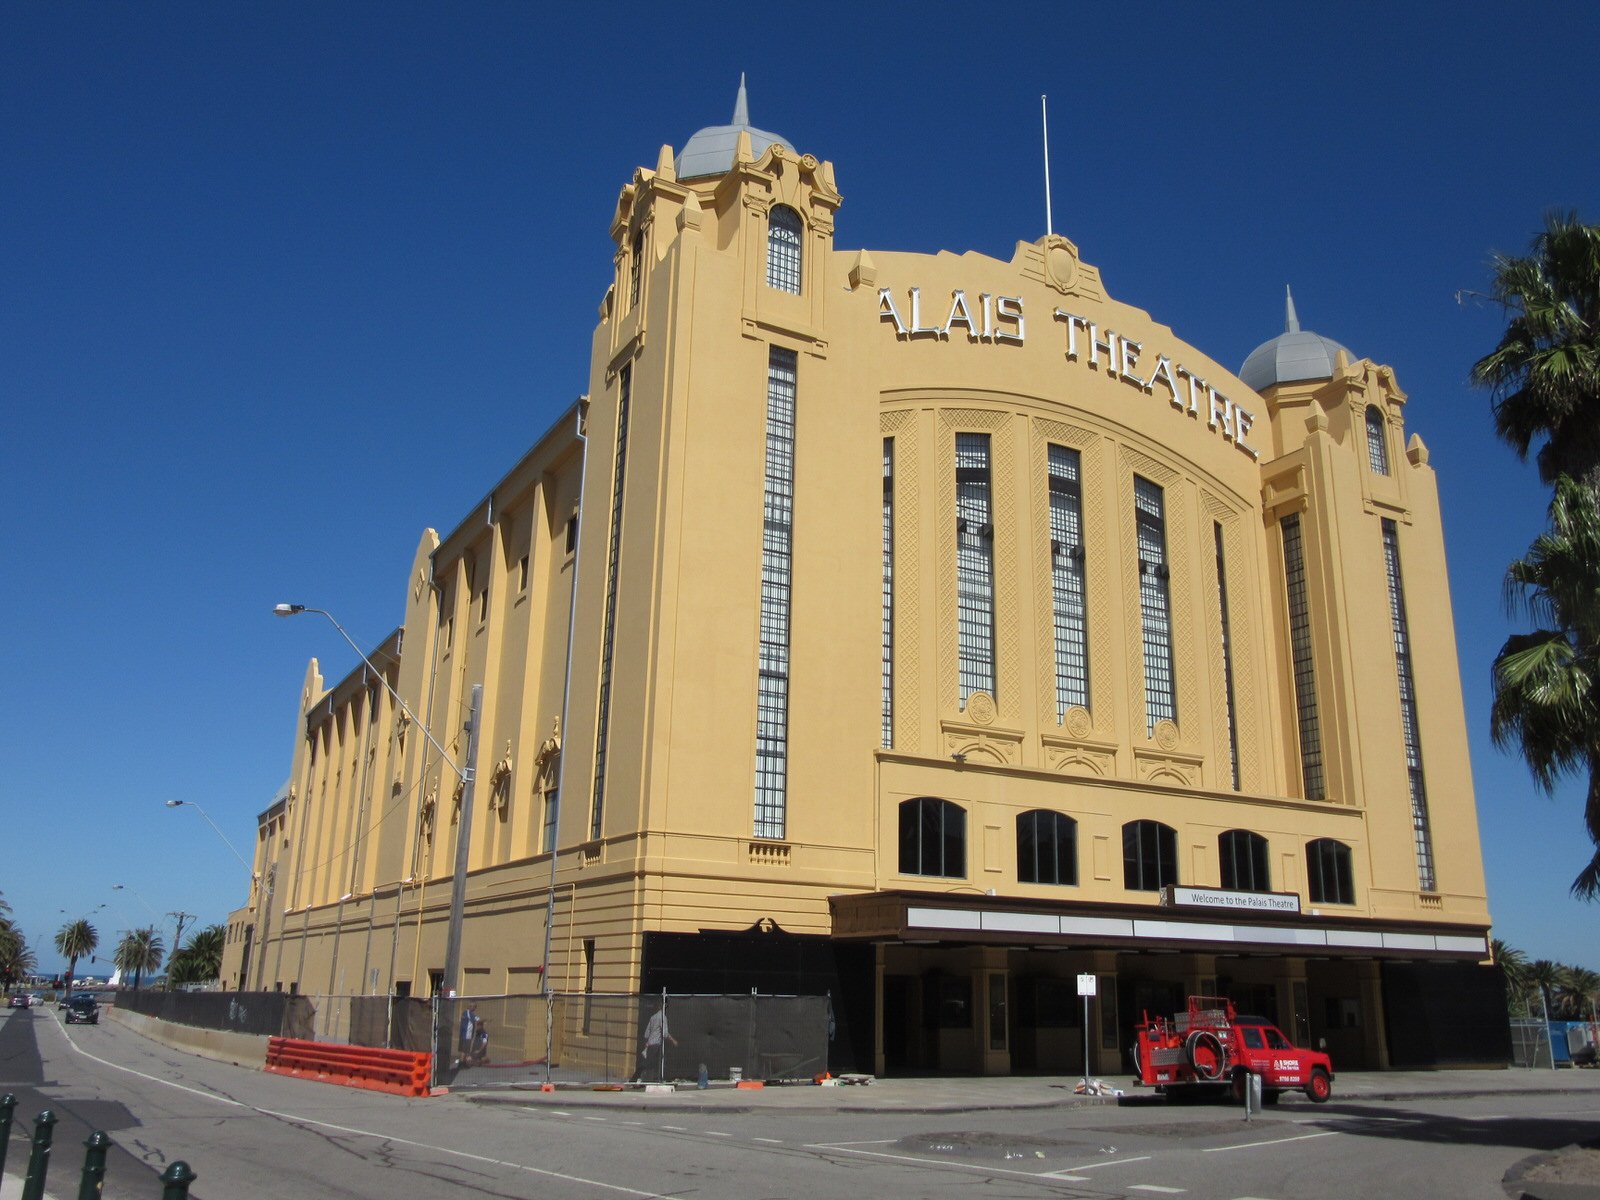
[[1209, 1045]]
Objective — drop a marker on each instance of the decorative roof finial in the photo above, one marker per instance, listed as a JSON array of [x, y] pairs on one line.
[[1291, 319], [741, 107]]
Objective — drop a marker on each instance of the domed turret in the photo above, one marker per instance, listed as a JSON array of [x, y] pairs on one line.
[[710, 151], [1294, 356]]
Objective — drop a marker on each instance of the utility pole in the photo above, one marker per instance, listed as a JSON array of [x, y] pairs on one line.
[[177, 941]]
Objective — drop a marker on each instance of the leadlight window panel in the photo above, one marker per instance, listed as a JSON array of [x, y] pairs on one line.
[[933, 838], [1227, 656], [1067, 584], [1328, 873], [635, 269], [1377, 442], [1421, 831], [609, 620], [1149, 856], [1047, 848], [1305, 680], [783, 249], [888, 593], [974, 566], [1246, 866], [772, 683], [1155, 605], [552, 800]]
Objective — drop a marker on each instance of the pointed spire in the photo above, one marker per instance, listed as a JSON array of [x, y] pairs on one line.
[[741, 106], [1291, 319]]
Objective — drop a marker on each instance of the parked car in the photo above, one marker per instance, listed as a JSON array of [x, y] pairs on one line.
[[83, 1010], [20, 1000]]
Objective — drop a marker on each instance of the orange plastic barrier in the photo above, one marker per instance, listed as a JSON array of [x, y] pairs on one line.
[[403, 1072]]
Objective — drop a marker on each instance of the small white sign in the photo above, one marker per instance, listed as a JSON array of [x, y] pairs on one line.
[[1191, 897], [1086, 985]]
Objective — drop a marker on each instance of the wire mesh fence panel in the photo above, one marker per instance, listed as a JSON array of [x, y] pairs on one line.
[[258, 1013], [493, 1041], [744, 1036], [1530, 1044], [594, 1038]]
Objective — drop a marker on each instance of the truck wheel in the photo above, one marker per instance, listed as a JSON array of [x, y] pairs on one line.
[[1320, 1087]]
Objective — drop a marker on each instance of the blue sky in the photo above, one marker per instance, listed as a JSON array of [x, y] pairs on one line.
[[285, 284]]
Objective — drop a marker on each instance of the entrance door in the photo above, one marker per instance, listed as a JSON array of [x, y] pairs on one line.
[[900, 1023]]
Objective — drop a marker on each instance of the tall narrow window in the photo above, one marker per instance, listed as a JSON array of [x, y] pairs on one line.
[[635, 269], [1305, 680], [552, 812], [1243, 856], [1149, 856], [1067, 580], [609, 621], [1420, 831], [1227, 656], [1377, 443], [974, 566], [933, 838], [772, 683], [1329, 877], [1047, 848], [888, 593], [783, 249], [1155, 607]]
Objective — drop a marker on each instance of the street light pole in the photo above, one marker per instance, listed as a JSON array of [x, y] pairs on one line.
[[219, 833], [466, 773]]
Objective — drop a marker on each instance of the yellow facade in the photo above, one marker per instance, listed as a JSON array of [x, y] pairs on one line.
[[620, 653]]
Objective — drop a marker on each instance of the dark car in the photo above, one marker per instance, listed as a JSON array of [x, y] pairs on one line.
[[21, 1000], [83, 1010]]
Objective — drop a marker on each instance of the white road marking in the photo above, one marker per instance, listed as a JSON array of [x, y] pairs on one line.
[[714, 1133], [768, 1141], [597, 1118], [1156, 1187], [1115, 1162], [382, 1137], [675, 1128], [947, 1163], [1304, 1137]]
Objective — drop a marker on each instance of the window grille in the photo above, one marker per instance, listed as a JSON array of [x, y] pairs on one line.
[[1305, 681], [1377, 443], [1155, 613], [772, 685], [1410, 732], [1067, 580], [888, 593], [1149, 856], [933, 838], [635, 269], [783, 249], [1245, 864], [1227, 656], [609, 621], [1047, 848], [974, 566]]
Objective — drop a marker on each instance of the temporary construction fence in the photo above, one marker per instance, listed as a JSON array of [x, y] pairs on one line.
[[561, 1037], [618, 1038]]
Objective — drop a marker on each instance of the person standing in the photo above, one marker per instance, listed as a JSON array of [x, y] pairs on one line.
[[653, 1053]]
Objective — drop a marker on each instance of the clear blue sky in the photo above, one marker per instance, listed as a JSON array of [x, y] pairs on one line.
[[283, 284]]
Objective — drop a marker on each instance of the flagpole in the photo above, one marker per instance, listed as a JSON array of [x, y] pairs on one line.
[[1044, 115]]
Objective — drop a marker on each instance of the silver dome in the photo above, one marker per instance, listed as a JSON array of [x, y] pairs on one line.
[[1294, 356], [710, 151]]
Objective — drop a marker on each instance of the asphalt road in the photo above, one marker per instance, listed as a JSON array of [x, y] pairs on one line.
[[254, 1136]]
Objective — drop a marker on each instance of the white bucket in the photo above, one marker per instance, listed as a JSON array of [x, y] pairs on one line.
[[735, 1073]]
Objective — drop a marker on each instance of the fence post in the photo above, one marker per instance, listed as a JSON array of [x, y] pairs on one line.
[[39, 1156], [175, 1181], [94, 1166], [8, 1105]]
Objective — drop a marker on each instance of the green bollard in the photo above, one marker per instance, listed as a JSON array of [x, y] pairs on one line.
[[175, 1181], [39, 1156], [8, 1104], [94, 1166]]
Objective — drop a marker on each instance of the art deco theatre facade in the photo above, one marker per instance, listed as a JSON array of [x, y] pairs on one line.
[[930, 630]]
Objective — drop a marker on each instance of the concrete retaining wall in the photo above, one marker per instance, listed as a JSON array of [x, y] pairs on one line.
[[241, 1049]]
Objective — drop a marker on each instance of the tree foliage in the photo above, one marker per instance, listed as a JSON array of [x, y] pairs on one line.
[[75, 940], [201, 960], [140, 950]]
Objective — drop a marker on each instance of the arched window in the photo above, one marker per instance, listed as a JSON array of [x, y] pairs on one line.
[[1047, 848], [1328, 872], [783, 249], [1377, 442], [933, 838], [1149, 856], [1244, 861]]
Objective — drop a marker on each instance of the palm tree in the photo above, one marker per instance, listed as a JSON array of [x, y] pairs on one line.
[[201, 960], [1513, 964], [16, 960], [74, 940], [1545, 373], [1579, 989], [140, 950], [1544, 977], [1547, 683]]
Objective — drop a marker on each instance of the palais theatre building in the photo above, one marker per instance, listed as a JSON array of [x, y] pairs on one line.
[[928, 630]]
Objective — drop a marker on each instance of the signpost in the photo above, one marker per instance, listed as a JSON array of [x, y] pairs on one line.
[[1086, 988]]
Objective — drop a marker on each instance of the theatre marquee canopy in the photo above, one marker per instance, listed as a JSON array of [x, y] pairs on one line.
[[919, 918]]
